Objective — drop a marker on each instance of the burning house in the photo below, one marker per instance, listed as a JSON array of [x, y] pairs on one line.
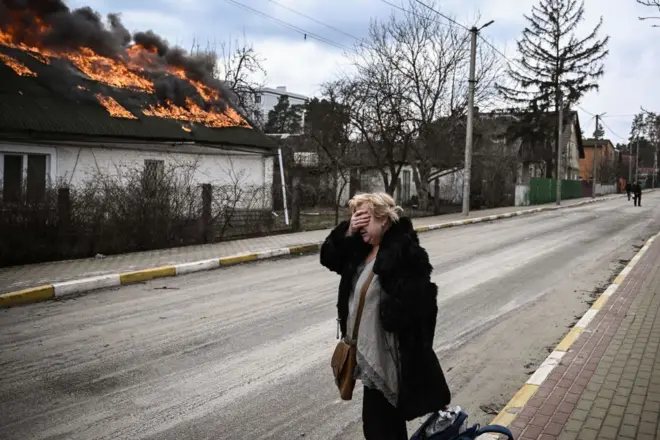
[[80, 96]]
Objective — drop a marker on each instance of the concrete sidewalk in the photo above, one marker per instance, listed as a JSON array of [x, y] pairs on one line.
[[603, 380]]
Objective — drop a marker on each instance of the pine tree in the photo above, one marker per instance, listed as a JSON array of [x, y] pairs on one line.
[[554, 59], [284, 117], [599, 132]]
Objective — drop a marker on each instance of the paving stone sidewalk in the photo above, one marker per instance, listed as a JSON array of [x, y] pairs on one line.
[[18, 277], [608, 385]]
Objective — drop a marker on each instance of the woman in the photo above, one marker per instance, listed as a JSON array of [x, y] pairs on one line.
[[400, 372]]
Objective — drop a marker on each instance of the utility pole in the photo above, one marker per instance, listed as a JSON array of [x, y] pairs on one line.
[[594, 167], [655, 163], [467, 174], [655, 155], [637, 162], [567, 156], [560, 131], [630, 163]]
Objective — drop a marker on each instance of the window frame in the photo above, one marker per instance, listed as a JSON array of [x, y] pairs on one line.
[[26, 151]]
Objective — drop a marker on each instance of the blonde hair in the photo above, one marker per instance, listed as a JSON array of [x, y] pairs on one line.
[[380, 204]]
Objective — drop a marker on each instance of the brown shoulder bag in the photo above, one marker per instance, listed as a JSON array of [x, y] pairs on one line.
[[344, 359]]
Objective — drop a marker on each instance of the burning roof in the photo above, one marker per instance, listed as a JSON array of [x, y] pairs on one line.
[[57, 63], [16, 66]]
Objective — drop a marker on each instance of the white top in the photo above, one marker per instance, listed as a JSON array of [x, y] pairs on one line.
[[377, 350]]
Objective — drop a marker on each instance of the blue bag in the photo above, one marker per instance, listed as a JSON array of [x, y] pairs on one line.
[[457, 430]]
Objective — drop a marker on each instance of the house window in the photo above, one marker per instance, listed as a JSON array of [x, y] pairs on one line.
[[24, 172], [257, 99], [12, 179], [153, 171], [36, 177]]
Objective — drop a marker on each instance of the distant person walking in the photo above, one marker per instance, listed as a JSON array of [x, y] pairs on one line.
[[628, 189], [637, 190], [387, 293]]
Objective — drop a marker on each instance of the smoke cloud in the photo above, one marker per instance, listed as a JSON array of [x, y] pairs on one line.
[[71, 29], [151, 41]]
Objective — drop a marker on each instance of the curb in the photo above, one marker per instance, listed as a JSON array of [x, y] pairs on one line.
[[520, 399], [63, 289]]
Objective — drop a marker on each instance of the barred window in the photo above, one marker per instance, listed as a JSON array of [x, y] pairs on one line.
[[154, 170]]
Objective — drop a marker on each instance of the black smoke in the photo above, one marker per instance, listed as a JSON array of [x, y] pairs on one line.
[[150, 41], [173, 89], [72, 29]]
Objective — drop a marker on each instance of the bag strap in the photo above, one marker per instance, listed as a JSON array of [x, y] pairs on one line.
[[363, 294], [495, 429]]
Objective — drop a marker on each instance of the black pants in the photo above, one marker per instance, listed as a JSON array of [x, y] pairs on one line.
[[638, 200], [381, 420]]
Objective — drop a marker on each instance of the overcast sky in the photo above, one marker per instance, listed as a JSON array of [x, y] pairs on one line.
[[301, 65]]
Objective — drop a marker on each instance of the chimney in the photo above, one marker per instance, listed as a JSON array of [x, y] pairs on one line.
[[281, 89]]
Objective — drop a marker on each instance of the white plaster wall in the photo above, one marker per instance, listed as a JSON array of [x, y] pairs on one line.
[[522, 195], [372, 181], [74, 165], [450, 187], [574, 156], [602, 190]]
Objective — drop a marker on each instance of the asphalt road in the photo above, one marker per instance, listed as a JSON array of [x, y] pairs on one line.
[[243, 352]]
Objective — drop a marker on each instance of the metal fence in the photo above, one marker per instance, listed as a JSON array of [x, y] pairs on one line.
[[544, 190]]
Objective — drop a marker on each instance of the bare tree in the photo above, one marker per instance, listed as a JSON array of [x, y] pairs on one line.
[[435, 59], [238, 65], [327, 127], [651, 4], [243, 73], [410, 92], [380, 116]]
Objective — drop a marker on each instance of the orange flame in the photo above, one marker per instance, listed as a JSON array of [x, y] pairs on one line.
[[16, 65], [130, 72], [195, 113], [114, 108], [39, 57], [109, 71]]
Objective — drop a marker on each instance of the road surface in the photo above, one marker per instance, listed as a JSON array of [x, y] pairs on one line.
[[243, 352]]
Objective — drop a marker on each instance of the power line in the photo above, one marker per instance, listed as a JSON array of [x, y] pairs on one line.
[[451, 23], [587, 126], [314, 19], [612, 131], [290, 26], [512, 63], [621, 115], [586, 111], [443, 15]]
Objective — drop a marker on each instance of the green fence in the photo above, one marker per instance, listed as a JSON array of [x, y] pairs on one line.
[[543, 191]]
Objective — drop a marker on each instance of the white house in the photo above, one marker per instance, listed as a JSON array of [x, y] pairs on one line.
[[371, 180], [56, 128], [33, 165], [450, 185]]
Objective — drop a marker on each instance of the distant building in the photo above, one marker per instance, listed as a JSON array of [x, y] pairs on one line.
[[267, 99], [606, 160]]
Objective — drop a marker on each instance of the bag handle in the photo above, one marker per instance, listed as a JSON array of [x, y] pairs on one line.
[[363, 294], [495, 429]]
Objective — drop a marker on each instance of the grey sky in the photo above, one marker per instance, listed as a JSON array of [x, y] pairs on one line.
[[301, 65]]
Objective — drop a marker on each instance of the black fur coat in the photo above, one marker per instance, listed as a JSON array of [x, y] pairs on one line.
[[408, 307]]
